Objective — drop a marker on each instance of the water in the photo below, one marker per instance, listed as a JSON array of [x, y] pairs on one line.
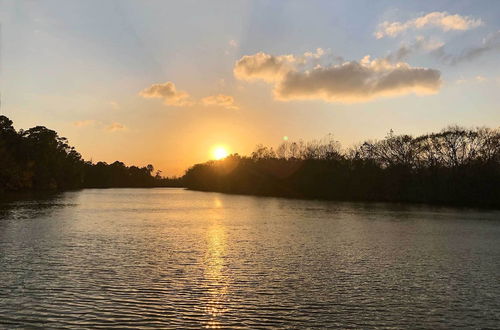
[[176, 258]]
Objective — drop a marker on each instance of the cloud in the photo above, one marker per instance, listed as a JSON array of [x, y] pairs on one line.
[[349, 82], [225, 101], [442, 20], [358, 82], [171, 96], [420, 43], [490, 43], [263, 66], [477, 79], [232, 46], [83, 123], [169, 93], [319, 53], [115, 127]]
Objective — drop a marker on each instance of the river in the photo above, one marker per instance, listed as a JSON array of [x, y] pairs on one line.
[[169, 258]]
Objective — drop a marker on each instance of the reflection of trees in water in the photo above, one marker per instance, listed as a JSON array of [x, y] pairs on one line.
[[28, 206]]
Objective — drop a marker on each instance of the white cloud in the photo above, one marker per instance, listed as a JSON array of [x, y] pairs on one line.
[[169, 93], [222, 100], [352, 81], [442, 20], [319, 52]]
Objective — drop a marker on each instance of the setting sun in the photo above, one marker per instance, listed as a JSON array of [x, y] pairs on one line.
[[266, 171], [220, 152]]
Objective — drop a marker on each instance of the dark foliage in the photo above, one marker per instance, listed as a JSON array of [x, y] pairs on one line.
[[455, 166], [38, 159]]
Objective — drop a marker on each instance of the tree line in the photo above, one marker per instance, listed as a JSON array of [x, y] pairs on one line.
[[455, 166], [39, 159]]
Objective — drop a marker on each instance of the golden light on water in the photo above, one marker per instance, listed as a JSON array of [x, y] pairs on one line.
[[219, 152], [216, 272]]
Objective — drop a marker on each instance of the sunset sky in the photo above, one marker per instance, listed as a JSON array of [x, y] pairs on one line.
[[165, 82]]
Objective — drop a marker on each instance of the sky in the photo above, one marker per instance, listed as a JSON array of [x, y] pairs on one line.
[[165, 82]]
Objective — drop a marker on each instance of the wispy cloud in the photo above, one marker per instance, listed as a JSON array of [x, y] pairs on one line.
[[115, 127], [442, 20], [477, 79], [233, 43], [168, 93], [489, 44], [83, 123], [221, 100], [420, 44], [349, 82]]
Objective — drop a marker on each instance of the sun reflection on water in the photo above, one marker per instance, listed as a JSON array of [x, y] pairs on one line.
[[217, 203], [216, 276]]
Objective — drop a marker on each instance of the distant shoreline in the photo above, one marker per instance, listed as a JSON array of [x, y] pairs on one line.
[[456, 166], [373, 201]]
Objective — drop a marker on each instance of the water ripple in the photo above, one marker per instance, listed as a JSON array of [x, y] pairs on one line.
[[170, 258]]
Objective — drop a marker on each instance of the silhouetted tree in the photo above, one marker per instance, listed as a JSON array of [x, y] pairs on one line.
[[39, 159], [454, 166]]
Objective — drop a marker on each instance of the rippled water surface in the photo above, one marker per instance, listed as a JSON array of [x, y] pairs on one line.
[[176, 258]]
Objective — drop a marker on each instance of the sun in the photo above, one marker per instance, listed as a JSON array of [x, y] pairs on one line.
[[219, 152]]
